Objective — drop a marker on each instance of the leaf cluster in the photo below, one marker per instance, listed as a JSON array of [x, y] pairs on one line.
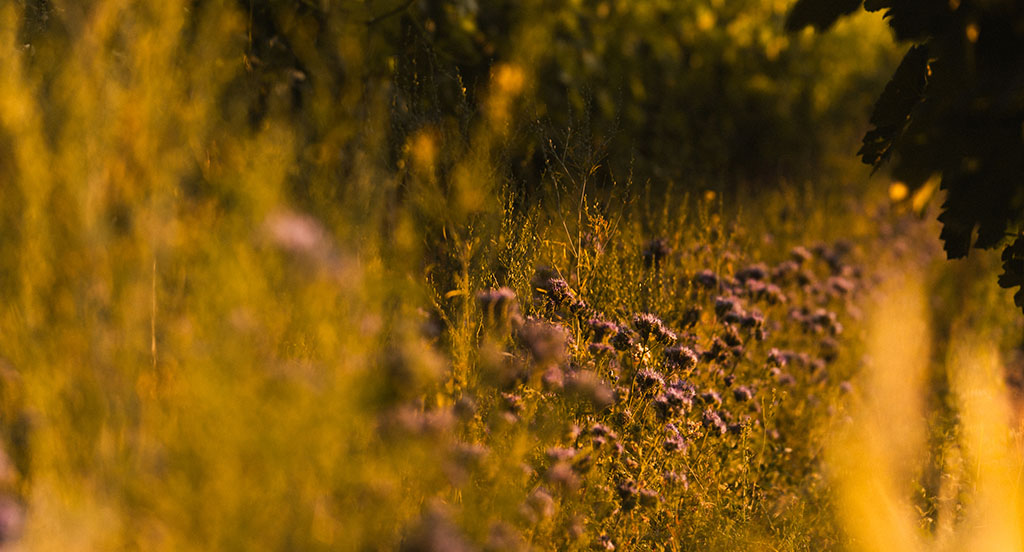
[[954, 107]]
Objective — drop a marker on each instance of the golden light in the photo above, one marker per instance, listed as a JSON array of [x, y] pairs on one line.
[[898, 191]]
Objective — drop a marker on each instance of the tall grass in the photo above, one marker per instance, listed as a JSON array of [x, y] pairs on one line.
[[929, 456], [187, 351]]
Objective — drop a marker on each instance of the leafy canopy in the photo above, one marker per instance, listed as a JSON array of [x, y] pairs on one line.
[[954, 107]]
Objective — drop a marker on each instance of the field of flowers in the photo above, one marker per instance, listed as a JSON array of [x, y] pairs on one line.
[[351, 276]]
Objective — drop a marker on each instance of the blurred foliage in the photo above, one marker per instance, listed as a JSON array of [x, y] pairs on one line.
[[701, 93], [711, 93], [704, 93], [954, 107]]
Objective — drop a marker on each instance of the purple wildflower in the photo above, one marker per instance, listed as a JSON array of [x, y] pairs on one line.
[[662, 407], [513, 403], [588, 386], [435, 531], [800, 254], [711, 397], [725, 305], [773, 295], [499, 306], [753, 272], [560, 453], [674, 443], [706, 278], [547, 342], [712, 421], [627, 492], [539, 505], [604, 542], [691, 316], [559, 292], [602, 328], [784, 270], [840, 285], [742, 393], [553, 378], [672, 477], [583, 463], [622, 341], [785, 378], [753, 319], [731, 337], [681, 357], [655, 251], [649, 498], [648, 380], [651, 327], [562, 475], [829, 349], [678, 399]]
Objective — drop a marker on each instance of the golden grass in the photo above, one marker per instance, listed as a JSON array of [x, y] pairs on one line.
[[883, 449]]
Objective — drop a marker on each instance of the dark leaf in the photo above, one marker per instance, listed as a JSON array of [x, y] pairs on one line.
[[975, 200], [1013, 264], [1013, 269], [957, 226], [956, 238], [992, 228], [921, 150], [913, 19], [1008, 280], [819, 13], [878, 145], [905, 89], [892, 111], [1013, 274]]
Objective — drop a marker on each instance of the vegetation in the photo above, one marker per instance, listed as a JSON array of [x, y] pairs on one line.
[[453, 275], [953, 109]]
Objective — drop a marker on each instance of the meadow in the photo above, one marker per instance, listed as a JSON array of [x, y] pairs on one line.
[[503, 276]]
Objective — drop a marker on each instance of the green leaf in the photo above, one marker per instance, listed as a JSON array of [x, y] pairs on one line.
[[821, 14]]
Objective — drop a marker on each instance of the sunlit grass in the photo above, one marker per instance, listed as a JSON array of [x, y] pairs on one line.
[[883, 452]]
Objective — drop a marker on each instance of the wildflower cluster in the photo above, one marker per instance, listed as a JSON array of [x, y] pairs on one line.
[[627, 414]]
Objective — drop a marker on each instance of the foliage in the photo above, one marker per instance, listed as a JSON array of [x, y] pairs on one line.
[[709, 92], [271, 278], [701, 93], [241, 309], [955, 107]]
